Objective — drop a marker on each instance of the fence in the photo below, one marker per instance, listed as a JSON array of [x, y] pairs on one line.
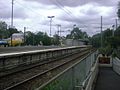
[[77, 77], [116, 65]]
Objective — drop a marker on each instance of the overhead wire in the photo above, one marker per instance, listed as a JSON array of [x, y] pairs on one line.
[[30, 9], [59, 6], [67, 10]]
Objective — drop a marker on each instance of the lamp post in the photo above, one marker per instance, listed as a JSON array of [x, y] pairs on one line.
[[50, 22]]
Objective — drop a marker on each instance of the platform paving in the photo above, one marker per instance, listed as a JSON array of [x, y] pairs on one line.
[[107, 79]]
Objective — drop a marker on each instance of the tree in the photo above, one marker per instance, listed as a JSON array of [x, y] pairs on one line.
[[95, 40], [10, 31], [56, 39], [76, 33], [6, 33], [3, 30], [30, 38], [118, 12], [36, 39], [47, 40]]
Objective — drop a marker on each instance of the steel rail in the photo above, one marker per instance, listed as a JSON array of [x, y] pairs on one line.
[[42, 73]]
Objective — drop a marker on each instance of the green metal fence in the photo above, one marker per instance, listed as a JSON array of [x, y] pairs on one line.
[[73, 77]]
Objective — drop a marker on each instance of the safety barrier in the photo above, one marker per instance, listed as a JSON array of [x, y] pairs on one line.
[[116, 65], [79, 76]]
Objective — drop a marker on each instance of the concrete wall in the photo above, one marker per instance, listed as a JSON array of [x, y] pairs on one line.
[[12, 60], [116, 65], [71, 42]]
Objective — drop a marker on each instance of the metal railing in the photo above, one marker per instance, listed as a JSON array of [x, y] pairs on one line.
[[77, 77]]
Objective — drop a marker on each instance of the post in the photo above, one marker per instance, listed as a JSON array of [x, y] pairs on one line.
[[59, 29], [24, 36], [59, 32], [116, 23], [12, 20], [101, 33], [33, 40], [11, 41], [12, 14], [50, 26], [50, 23], [113, 30]]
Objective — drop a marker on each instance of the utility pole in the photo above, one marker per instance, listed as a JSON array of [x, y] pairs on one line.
[[116, 24], [12, 20], [113, 30], [59, 29], [50, 23], [12, 14], [101, 33], [59, 32], [24, 36]]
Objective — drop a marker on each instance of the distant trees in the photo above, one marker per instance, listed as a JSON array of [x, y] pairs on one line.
[[118, 11], [108, 39], [76, 33], [3, 30], [95, 40], [31, 38], [56, 39], [37, 39], [6, 32]]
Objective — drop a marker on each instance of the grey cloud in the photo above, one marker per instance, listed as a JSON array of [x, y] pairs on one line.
[[74, 3], [5, 11], [18, 13]]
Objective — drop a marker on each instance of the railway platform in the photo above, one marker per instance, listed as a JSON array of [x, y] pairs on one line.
[[65, 68], [107, 79]]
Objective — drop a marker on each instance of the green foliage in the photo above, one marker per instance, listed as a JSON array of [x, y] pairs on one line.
[[4, 32], [31, 38], [95, 40], [36, 39], [118, 12], [56, 39], [107, 38], [76, 33], [105, 51]]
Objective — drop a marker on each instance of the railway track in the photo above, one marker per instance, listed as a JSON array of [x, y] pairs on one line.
[[25, 80], [27, 67]]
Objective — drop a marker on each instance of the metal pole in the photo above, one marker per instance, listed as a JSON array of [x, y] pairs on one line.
[[101, 33], [12, 14], [12, 20], [60, 30], [50, 23], [24, 35], [33, 40], [113, 30], [116, 23]]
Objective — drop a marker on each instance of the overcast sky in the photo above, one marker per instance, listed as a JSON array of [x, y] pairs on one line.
[[84, 13]]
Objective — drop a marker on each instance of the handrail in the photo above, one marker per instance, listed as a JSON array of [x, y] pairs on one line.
[[83, 85], [65, 71]]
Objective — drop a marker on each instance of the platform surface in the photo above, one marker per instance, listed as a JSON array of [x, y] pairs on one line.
[[107, 79]]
